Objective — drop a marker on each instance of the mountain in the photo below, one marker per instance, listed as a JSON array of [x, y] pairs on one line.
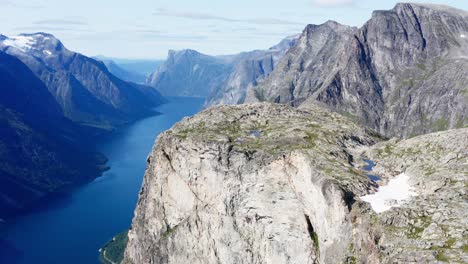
[[189, 73], [268, 183], [403, 73], [41, 151], [140, 66], [249, 69], [83, 87], [121, 73], [222, 79]]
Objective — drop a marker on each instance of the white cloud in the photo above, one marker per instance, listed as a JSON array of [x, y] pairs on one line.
[[207, 16], [333, 3]]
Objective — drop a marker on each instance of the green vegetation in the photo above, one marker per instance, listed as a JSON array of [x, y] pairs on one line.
[[311, 138], [113, 251], [169, 232], [421, 66], [316, 242], [388, 149], [440, 124], [450, 242], [350, 259], [415, 232], [465, 248], [440, 256]]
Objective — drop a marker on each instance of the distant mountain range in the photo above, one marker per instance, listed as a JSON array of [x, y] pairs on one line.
[[221, 79], [136, 71], [53, 101], [83, 87]]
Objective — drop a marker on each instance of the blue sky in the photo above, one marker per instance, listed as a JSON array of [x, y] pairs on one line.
[[149, 28]]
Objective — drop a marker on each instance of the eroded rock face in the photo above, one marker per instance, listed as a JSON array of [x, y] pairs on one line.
[[268, 183], [403, 73], [250, 184]]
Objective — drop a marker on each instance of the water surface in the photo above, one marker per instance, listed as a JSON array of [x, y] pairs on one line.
[[71, 228]]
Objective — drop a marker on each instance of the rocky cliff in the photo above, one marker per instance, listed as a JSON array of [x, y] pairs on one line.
[[402, 73], [268, 183]]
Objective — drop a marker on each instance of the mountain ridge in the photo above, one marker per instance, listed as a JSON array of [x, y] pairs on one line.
[[380, 69]]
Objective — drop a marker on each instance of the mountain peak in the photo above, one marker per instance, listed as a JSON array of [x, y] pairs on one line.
[[32, 42], [435, 7]]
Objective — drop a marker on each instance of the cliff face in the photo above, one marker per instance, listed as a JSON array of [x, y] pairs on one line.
[[250, 184], [268, 183], [402, 73]]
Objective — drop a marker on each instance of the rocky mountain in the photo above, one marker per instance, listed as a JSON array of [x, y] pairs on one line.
[[267, 183], [140, 66], [41, 151], [189, 73], [222, 79], [249, 69], [83, 87], [403, 73]]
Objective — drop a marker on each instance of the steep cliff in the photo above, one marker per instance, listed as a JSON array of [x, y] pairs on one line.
[[250, 184], [268, 183], [402, 73]]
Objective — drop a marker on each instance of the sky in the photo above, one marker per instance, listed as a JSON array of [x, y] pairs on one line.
[[147, 29]]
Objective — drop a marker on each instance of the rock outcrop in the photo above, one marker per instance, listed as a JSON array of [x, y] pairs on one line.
[[403, 73], [268, 183], [432, 226], [250, 184]]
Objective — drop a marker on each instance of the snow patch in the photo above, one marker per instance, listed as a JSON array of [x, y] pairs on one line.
[[23, 43], [394, 194], [462, 36], [47, 52]]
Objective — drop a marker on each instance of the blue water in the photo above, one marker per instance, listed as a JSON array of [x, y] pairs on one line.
[[370, 165], [72, 228]]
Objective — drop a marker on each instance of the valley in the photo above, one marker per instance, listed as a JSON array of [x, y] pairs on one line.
[[72, 227]]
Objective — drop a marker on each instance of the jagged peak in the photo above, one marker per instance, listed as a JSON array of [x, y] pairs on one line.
[[38, 34], [183, 52], [37, 43], [402, 7]]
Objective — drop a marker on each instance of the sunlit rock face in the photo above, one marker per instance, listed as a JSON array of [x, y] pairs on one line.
[[250, 184], [267, 183], [403, 73]]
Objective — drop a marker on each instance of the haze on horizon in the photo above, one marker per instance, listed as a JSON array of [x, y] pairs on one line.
[[148, 29]]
